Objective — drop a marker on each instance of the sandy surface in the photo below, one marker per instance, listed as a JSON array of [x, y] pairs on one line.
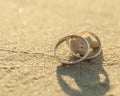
[[30, 28]]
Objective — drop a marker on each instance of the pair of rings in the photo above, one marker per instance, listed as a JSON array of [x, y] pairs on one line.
[[83, 45]]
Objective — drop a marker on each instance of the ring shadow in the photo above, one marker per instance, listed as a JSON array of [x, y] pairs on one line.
[[86, 76]]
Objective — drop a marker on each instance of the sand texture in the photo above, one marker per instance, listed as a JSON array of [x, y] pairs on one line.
[[29, 30]]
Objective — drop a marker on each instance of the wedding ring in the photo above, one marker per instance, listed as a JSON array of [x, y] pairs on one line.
[[69, 38], [95, 45]]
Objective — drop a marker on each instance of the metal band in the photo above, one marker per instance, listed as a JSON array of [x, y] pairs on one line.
[[96, 37], [67, 38]]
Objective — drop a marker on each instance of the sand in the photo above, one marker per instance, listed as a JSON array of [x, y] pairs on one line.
[[30, 28]]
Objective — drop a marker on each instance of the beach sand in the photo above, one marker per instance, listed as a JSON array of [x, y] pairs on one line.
[[29, 30]]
